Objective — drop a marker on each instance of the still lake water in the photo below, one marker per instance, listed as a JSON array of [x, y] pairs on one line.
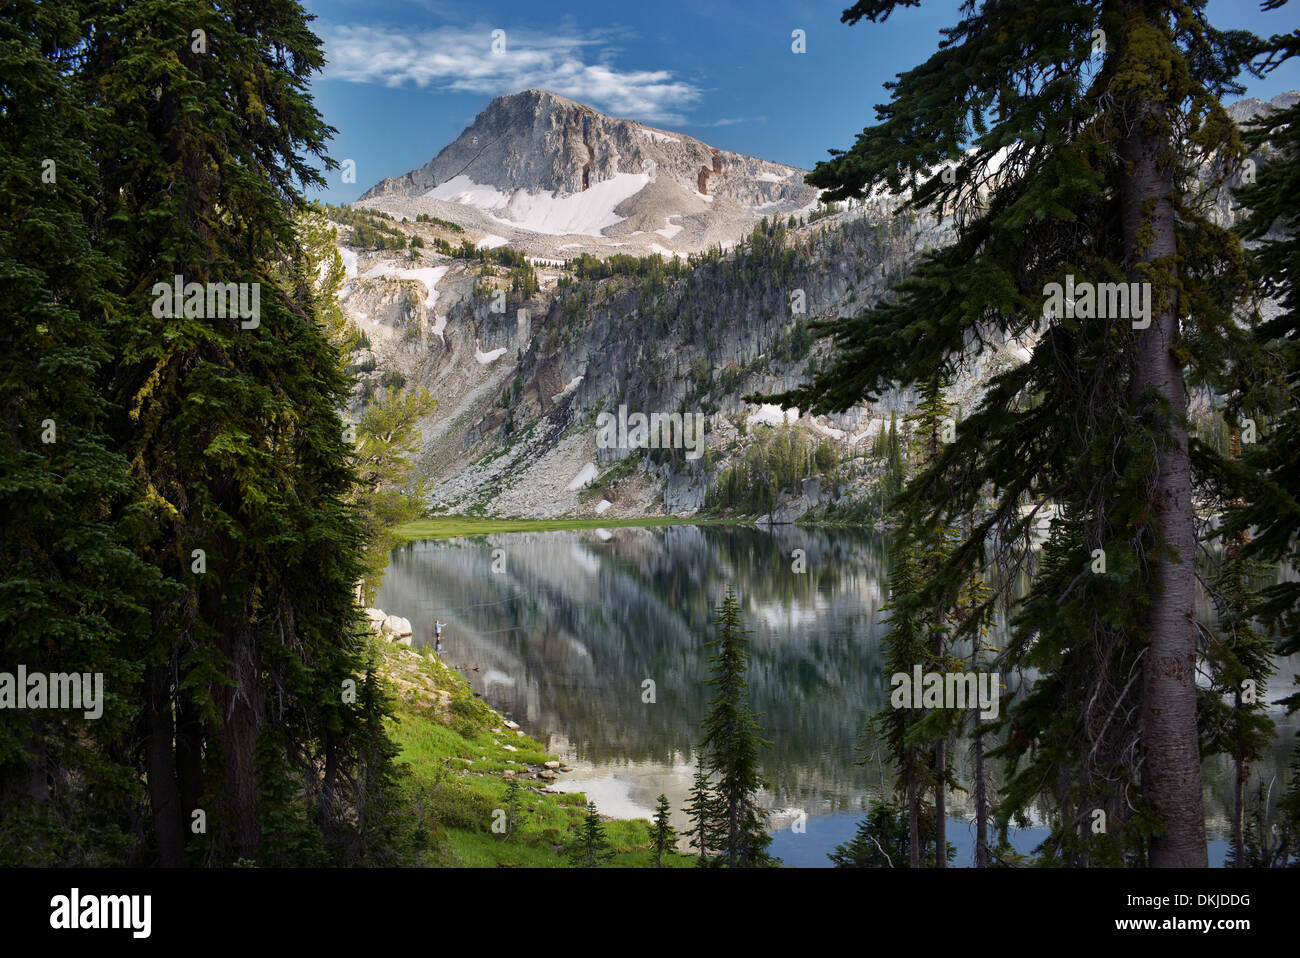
[[563, 635]]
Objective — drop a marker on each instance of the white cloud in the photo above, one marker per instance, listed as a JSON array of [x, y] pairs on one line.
[[461, 60], [733, 121]]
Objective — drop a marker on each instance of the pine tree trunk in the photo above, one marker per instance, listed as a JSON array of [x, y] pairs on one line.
[[733, 833], [241, 708], [940, 750], [1170, 747], [940, 807], [981, 799], [164, 796], [189, 757], [1239, 795], [913, 825]]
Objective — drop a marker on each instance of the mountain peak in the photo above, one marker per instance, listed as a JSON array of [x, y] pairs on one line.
[[535, 162]]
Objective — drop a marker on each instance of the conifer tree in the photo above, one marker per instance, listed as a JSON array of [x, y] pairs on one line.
[[512, 801], [905, 645], [883, 840], [1263, 523], [591, 848], [231, 427], [702, 810], [931, 420], [1270, 479], [662, 831], [973, 602], [1064, 154], [1239, 662], [388, 493], [731, 745], [72, 592]]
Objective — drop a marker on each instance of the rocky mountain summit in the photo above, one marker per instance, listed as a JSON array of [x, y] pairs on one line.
[[555, 178]]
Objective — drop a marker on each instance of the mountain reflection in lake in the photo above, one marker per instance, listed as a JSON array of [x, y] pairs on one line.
[[559, 631]]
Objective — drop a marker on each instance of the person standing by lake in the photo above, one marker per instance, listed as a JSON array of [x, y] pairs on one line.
[[437, 635]]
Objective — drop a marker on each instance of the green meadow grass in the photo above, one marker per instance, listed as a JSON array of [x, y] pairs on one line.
[[450, 765], [447, 527]]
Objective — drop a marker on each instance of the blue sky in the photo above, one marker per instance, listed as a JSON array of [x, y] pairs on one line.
[[404, 79]]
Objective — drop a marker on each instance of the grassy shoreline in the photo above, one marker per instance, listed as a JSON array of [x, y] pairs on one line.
[[448, 527], [455, 756]]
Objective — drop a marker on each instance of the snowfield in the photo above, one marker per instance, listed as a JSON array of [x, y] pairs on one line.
[[569, 387], [658, 137], [349, 258], [488, 357], [672, 229], [585, 214], [585, 475], [770, 414], [428, 275]]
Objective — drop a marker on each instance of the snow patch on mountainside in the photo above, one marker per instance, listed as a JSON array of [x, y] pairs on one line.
[[672, 229], [428, 275], [569, 387], [586, 214], [488, 357], [349, 258], [770, 414], [658, 137], [585, 475]]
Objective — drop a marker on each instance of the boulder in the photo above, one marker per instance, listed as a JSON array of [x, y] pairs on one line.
[[396, 625]]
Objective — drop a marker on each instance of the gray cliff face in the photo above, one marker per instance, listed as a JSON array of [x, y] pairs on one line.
[[1244, 109], [519, 390]]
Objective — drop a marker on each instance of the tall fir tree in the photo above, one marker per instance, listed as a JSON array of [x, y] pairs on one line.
[[1263, 523], [1097, 158], [731, 744], [702, 811], [73, 593], [203, 136], [661, 831]]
